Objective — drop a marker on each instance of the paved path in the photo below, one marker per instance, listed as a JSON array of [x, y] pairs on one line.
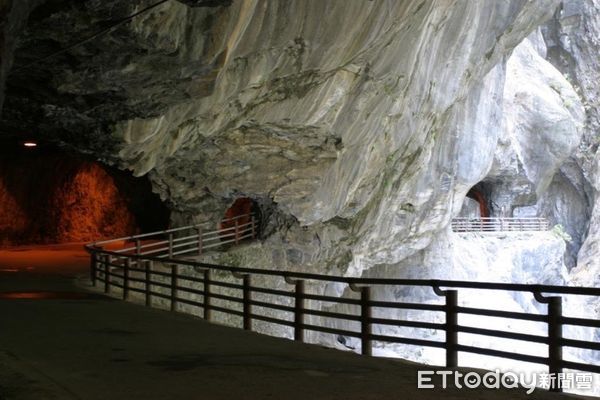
[[58, 341]]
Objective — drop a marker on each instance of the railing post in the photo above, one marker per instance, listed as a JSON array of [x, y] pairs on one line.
[[365, 320], [126, 278], [107, 263], [138, 246], [93, 267], [253, 226], [207, 294], [299, 311], [298, 307], [365, 317], [174, 284], [246, 299], [554, 342], [451, 328], [170, 244], [200, 241], [247, 305], [147, 283], [237, 231]]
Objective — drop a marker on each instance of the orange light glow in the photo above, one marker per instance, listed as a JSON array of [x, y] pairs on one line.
[[241, 207], [81, 203], [42, 295]]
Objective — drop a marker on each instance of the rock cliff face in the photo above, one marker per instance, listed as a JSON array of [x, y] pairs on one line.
[[357, 138], [573, 38], [363, 140]]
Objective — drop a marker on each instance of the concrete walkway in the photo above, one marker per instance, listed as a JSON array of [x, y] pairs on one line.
[[59, 341]]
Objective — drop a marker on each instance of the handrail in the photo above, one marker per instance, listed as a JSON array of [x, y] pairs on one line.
[[162, 277], [500, 224], [190, 242], [172, 230]]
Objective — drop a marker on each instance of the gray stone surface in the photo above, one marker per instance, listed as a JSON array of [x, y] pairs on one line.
[[367, 136]]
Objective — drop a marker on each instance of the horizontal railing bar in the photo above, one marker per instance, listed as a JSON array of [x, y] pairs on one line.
[[334, 331], [176, 253], [503, 334], [503, 354], [501, 218], [190, 290], [226, 284], [404, 340], [127, 238], [238, 217], [502, 314], [226, 297], [328, 314], [179, 239], [160, 284], [580, 344], [272, 320], [271, 291], [515, 224], [160, 273], [126, 250], [178, 245], [161, 295], [406, 323], [410, 306], [232, 228], [191, 278], [518, 287], [592, 323], [115, 265], [153, 244], [225, 310], [172, 230], [146, 253], [274, 306], [331, 299], [581, 367], [219, 235]]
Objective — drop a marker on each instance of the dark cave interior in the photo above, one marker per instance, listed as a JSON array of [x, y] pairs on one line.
[[50, 196]]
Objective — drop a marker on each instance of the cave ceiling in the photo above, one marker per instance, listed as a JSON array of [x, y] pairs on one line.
[[79, 67]]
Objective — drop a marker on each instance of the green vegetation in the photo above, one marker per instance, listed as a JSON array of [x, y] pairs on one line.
[[560, 232]]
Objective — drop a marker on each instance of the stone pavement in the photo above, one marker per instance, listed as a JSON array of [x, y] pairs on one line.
[[59, 341]]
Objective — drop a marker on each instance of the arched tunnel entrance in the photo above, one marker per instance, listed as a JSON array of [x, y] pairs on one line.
[[48, 196], [477, 195], [242, 215]]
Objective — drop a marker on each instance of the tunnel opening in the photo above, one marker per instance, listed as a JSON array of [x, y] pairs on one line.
[[477, 203], [241, 216], [477, 195], [49, 196]]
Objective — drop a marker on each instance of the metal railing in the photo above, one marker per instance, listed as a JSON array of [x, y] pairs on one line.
[[499, 224], [187, 240], [159, 278]]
